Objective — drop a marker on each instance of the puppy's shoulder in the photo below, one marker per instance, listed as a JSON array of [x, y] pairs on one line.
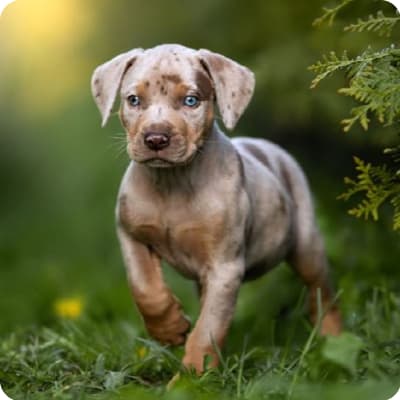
[[131, 195]]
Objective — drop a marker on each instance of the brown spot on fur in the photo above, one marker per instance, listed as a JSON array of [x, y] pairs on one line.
[[147, 84], [198, 240], [233, 94], [97, 81], [148, 233], [173, 78], [141, 89], [179, 92], [204, 85], [163, 90]]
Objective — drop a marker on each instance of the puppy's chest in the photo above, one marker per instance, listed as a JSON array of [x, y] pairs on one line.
[[183, 236]]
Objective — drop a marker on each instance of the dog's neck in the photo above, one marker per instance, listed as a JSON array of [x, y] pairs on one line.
[[212, 157]]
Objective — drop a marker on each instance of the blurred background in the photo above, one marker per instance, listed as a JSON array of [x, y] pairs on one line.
[[60, 172]]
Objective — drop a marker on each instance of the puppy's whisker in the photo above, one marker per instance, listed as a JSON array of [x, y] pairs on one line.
[[119, 136], [118, 147], [118, 144], [119, 153]]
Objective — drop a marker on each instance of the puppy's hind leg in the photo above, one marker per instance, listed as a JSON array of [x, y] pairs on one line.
[[308, 257], [310, 263]]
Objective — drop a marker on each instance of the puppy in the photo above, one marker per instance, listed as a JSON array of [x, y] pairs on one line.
[[220, 211]]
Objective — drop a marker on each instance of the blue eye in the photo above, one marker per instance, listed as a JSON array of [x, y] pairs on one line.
[[134, 100], [191, 101]]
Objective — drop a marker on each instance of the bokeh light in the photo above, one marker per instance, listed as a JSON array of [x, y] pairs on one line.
[[40, 42]]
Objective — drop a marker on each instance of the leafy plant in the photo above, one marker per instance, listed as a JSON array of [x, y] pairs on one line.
[[373, 81]]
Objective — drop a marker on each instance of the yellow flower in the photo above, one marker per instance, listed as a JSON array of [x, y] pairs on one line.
[[69, 307], [142, 352]]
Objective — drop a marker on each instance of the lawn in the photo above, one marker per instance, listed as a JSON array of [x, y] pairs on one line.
[[76, 335]]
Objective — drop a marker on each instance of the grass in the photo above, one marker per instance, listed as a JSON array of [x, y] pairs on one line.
[[102, 351], [91, 359]]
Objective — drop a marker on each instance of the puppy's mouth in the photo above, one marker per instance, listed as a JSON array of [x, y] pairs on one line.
[[163, 159], [158, 162]]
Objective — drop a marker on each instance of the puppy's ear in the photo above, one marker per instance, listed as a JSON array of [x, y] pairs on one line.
[[106, 81], [234, 85]]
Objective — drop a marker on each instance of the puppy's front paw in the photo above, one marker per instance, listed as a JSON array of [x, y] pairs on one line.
[[331, 323], [198, 359], [198, 355], [171, 327]]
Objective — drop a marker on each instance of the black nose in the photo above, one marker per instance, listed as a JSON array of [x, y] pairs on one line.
[[156, 141]]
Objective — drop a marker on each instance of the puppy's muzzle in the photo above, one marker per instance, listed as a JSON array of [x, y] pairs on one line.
[[156, 141]]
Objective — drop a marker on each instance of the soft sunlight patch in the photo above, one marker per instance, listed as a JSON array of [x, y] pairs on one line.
[[44, 43], [4, 4]]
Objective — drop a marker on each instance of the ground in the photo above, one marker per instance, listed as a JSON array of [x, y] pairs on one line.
[[69, 329]]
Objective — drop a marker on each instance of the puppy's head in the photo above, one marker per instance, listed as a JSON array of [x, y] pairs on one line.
[[167, 99]]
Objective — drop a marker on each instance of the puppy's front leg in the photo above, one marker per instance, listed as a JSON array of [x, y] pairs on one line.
[[161, 311], [219, 288]]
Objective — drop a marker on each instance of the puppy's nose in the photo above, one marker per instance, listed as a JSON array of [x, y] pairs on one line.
[[156, 141]]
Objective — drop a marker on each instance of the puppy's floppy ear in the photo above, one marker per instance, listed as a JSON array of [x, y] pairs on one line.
[[234, 85], [107, 78]]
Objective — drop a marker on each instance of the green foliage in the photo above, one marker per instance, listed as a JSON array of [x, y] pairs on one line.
[[380, 24], [343, 350], [330, 13], [374, 81], [373, 78], [379, 185]]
